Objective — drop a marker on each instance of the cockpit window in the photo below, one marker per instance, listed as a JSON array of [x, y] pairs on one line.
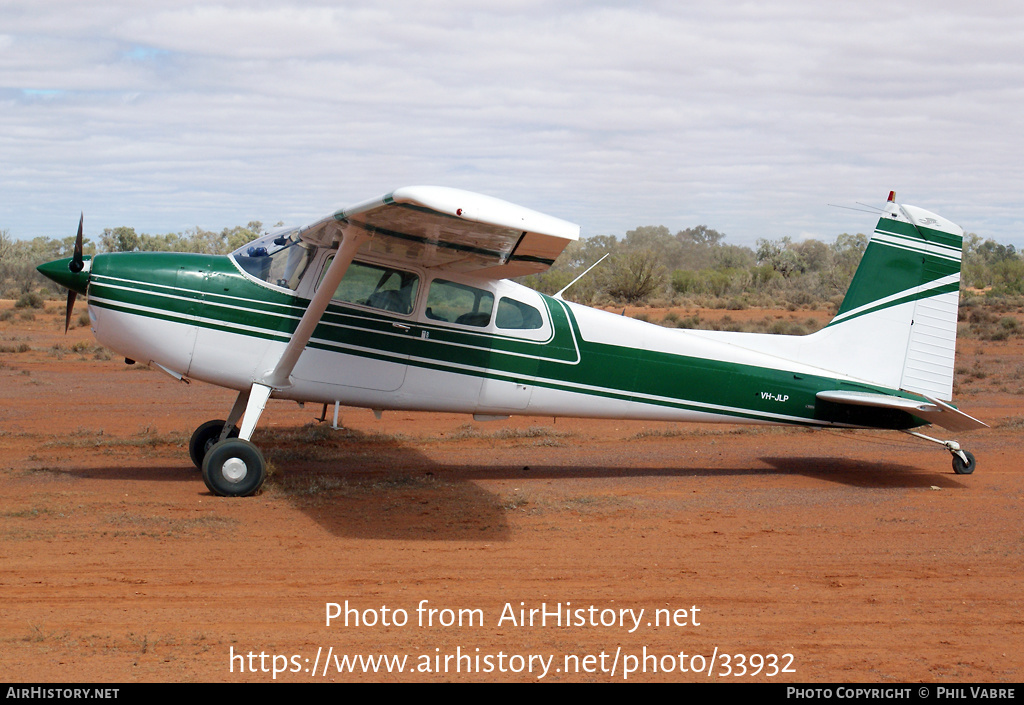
[[280, 258], [377, 286]]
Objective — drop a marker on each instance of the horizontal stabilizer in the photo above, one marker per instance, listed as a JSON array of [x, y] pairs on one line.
[[931, 410]]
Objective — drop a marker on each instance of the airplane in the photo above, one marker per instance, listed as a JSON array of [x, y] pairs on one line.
[[405, 302]]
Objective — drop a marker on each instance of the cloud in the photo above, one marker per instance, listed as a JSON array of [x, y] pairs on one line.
[[749, 118]]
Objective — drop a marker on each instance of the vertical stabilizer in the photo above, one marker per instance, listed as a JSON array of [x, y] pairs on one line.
[[902, 303]]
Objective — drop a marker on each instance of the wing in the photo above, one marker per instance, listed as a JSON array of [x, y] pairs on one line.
[[445, 228]]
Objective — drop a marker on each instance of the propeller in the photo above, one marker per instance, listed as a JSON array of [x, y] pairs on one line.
[[76, 265]]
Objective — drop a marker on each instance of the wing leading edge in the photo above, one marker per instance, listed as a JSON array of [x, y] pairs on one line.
[[450, 229]]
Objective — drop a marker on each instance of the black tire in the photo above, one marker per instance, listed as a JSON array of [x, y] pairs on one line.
[[234, 468], [958, 463], [204, 438]]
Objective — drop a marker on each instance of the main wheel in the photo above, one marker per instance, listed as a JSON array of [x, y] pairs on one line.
[[204, 438], [961, 468], [234, 468]]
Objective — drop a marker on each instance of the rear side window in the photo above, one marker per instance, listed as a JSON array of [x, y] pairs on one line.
[[459, 303], [515, 315]]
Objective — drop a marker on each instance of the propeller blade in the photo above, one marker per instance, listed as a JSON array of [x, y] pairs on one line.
[[76, 264], [72, 295]]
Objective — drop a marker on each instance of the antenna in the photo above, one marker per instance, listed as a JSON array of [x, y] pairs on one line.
[[859, 210], [564, 288], [874, 208]]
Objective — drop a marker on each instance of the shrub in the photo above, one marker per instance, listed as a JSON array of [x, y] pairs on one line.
[[30, 299]]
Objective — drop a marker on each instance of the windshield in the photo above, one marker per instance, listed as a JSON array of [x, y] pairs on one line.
[[279, 258]]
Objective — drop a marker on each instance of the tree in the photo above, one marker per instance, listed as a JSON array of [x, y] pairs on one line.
[[847, 252], [780, 256], [814, 254], [238, 236], [733, 257], [580, 254], [6, 244], [701, 235], [119, 239]]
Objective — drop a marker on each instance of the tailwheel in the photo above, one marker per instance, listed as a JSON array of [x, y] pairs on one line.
[[234, 468], [205, 437], [963, 460], [962, 466]]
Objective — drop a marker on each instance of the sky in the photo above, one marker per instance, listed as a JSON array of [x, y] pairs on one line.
[[757, 119]]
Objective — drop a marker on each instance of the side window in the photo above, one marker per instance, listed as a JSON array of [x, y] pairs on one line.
[[378, 287], [458, 303], [516, 315]]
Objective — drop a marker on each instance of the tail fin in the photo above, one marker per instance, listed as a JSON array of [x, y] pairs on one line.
[[897, 324]]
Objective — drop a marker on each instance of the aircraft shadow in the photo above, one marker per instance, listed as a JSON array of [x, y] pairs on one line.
[[366, 486], [868, 474], [854, 473], [446, 502]]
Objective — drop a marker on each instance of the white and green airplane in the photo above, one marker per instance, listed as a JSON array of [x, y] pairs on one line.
[[404, 302]]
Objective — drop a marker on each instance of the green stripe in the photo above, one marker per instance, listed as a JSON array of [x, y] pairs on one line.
[[927, 293], [920, 232], [565, 362], [886, 270]]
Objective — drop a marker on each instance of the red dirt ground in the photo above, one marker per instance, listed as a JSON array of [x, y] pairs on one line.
[[860, 554]]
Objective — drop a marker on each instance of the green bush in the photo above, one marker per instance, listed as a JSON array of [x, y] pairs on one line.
[[30, 299]]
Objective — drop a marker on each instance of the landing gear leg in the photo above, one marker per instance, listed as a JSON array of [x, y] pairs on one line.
[[963, 460], [234, 467], [213, 432]]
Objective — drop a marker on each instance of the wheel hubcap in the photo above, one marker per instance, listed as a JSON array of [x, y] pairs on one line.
[[234, 470]]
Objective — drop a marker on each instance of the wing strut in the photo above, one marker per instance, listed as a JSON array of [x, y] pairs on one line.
[[279, 377]]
